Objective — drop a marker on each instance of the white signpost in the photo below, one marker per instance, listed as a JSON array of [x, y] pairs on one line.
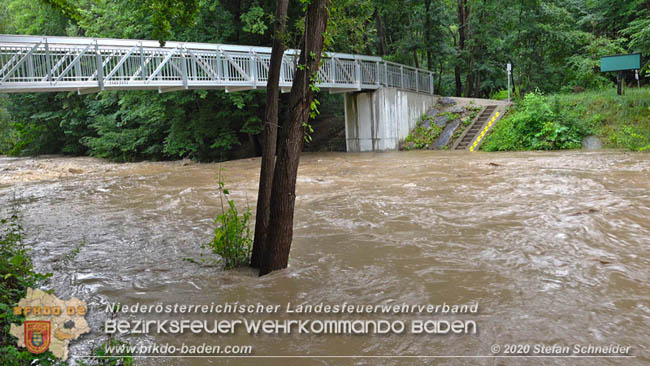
[[509, 73]]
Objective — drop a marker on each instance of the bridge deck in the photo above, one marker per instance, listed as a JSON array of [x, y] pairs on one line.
[[48, 64]]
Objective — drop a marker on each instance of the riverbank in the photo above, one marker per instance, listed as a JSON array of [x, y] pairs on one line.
[[563, 121]]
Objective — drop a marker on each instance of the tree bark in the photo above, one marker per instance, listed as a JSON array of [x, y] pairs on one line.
[[380, 33], [283, 194], [427, 33], [461, 44], [270, 134], [440, 78], [467, 32]]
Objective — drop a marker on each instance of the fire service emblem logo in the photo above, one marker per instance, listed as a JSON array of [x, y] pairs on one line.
[[37, 335]]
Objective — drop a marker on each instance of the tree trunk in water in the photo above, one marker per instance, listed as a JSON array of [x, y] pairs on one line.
[[283, 194], [270, 134]]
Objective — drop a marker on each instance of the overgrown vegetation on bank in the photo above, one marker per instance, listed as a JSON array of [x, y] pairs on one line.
[[16, 275], [561, 121]]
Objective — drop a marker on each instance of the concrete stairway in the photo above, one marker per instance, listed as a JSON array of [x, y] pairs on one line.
[[465, 140]]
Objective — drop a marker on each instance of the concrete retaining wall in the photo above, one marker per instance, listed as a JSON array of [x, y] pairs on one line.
[[380, 119]]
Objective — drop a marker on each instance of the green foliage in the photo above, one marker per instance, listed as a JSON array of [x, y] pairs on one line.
[[16, 275], [8, 136], [630, 137], [536, 124], [107, 358], [233, 240], [561, 121], [254, 20], [639, 33], [422, 137], [502, 94], [584, 67], [169, 13]]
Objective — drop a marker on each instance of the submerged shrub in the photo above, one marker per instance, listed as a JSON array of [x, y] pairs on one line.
[[232, 235]]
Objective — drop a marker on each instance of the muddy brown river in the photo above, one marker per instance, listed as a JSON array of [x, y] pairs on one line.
[[554, 247]]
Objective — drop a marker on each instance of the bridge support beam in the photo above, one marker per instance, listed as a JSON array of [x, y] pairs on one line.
[[379, 120]]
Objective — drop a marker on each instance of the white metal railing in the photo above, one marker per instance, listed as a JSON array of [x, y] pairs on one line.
[[86, 65]]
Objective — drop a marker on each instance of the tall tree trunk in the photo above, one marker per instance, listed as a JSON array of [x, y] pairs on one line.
[[440, 77], [380, 33], [415, 58], [427, 33], [469, 81], [283, 193], [459, 83], [270, 134], [461, 45]]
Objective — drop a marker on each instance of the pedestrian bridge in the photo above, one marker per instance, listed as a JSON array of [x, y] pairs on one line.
[[88, 65], [383, 99]]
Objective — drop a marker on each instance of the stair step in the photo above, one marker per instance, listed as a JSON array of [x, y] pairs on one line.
[[476, 127]]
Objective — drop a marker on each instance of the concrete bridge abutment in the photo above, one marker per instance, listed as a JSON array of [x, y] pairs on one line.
[[379, 120]]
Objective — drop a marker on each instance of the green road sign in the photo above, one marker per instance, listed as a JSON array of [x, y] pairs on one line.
[[620, 62]]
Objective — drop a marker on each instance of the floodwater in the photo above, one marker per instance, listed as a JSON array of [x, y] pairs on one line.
[[554, 247]]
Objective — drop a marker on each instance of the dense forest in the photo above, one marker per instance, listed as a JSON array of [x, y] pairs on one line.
[[554, 46]]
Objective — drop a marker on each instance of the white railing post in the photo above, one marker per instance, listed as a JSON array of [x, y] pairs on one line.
[[48, 61], [219, 65], [100, 67], [377, 73], [386, 73], [401, 76], [142, 74], [431, 83], [253, 69], [357, 64], [184, 67], [417, 81]]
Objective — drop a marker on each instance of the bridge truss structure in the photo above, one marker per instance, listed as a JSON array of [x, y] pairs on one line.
[[89, 65]]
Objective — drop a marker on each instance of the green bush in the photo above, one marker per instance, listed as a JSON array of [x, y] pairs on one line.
[[232, 235], [537, 124], [16, 275]]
